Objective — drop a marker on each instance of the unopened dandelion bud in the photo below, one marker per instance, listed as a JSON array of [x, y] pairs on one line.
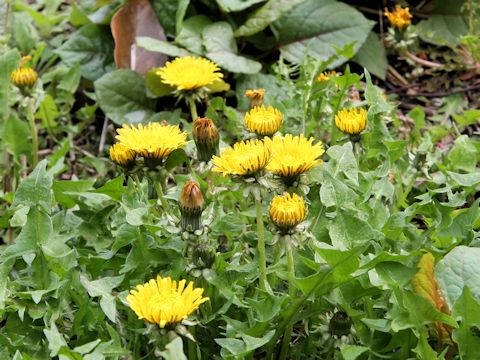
[[351, 121], [287, 211], [191, 204], [206, 137], [263, 121], [256, 96], [24, 77]]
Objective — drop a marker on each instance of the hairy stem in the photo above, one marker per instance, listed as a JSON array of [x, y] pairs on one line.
[[159, 188], [193, 108], [33, 130], [287, 335], [262, 263]]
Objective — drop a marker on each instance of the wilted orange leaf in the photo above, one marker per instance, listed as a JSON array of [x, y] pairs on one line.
[[136, 18], [425, 284]]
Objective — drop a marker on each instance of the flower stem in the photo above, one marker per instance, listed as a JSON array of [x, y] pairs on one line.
[[33, 129], [159, 188], [287, 335], [192, 348], [138, 184], [262, 263], [193, 108]]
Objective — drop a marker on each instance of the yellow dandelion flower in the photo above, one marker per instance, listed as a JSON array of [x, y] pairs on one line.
[[263, 121], [400, 17], [293, 155], [24, 77], [326, 76], [287, 211], [162, 302], [189, 73], [256, 96], [351, 121], [122, 155], [245, 158], [152, 141]]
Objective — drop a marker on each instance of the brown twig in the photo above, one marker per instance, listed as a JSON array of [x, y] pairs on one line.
[[397, 75], [423, 62]]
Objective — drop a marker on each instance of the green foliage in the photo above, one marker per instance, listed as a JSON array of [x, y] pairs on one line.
[[79, 233]]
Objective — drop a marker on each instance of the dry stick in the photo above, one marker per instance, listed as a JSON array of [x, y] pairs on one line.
[[397, 75], [423, 62], [103, 136]]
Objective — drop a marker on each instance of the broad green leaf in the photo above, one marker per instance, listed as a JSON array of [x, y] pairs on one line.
[[236, 5], [8, 62], [468, 117], [166, 11], [264, 16], [463, 155], [55, 339], [71, 79], [48, 112], [16, 135], [348, 230], [161, 46], [333, 257], [64, 191], [35, 189], [180, 15], [221, 48], [445, 25], [24, 33], [91, 47], [121, 95], [113, 188], [372, 56], [241, 348], [86, 348], [467, 311], [318, 28], [174, 350], [352, 352], [190, 35], [36, 232], [103, 288], [413, 311], [334, 192], [458, 269], [465, 179], [344, 160]]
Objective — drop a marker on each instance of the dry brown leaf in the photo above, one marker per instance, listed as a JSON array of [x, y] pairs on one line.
[[136, 18], [425, 284]]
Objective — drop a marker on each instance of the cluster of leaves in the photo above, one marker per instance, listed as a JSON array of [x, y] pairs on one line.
[[78, 236]]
